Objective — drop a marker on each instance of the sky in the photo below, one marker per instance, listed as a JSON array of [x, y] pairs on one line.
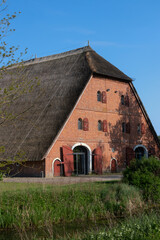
[[124, 32]]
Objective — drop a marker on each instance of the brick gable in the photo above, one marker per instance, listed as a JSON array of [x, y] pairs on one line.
[[113, 142]]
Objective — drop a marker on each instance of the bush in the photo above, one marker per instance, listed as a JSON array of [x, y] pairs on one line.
[[1, 176], [145, 174]]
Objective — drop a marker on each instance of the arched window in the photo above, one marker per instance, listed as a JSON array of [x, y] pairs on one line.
[[99, 96], [80, 124], [122, 99], [99, 125], [139, 152], [123, 127]]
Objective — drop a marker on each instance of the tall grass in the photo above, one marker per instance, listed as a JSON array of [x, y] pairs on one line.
[[44, 206], [146, 227]]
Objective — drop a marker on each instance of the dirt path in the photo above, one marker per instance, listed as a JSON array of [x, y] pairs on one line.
[[65, 180]]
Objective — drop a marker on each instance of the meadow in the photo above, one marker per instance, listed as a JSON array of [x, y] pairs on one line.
[[100, 210], [37, 205]]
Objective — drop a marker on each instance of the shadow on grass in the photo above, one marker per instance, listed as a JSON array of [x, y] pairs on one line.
[[109, 182]]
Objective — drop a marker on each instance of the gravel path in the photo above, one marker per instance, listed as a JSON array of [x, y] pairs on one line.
[[65, 180]]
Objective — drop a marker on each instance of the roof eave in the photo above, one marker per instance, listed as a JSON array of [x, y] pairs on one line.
[[111, 77]]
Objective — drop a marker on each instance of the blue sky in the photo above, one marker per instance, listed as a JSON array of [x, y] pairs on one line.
[[125, 32]]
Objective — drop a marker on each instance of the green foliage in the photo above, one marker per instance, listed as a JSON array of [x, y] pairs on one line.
[[1, 176], [141, 228], [145, 174], [39, 206]]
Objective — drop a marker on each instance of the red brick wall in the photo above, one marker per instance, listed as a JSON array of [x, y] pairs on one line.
[[114, 113]]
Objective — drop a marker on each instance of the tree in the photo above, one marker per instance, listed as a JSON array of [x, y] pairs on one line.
[[12, 65]]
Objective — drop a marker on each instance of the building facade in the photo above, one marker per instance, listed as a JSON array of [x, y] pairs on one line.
[[116, 125], [85, 117]]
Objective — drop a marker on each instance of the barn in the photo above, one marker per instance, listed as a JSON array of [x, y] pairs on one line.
[[84, 116]]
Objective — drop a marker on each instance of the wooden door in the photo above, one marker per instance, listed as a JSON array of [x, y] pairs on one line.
[[57, 168], [113, 166], [97, 156], [68, 161], [130, 154]]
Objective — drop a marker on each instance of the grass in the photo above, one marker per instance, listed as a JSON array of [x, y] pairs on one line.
[[36, 205], [14, 187], [145, 227]]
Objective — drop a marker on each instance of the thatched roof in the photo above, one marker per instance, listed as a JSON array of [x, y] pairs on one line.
[[42, 112]]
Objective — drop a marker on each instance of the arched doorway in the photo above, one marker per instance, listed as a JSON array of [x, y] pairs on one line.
[[80, 160], [113, 165], [140, 151], [57, 167]]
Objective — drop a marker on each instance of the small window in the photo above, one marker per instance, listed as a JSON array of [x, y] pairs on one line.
[[80, 124], [139, 128], [122, 99], [99, 96], [143, 130], [123, 127], [128, 127], [99, 125]]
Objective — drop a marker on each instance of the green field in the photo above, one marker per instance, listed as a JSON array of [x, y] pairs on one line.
[[101, 206], [33, 205]]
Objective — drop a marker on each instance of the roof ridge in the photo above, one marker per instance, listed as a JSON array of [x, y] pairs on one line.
[[57, 56]]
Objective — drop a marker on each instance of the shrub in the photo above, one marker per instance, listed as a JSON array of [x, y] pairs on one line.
[[145, 174], [1, 176], [121, 199]]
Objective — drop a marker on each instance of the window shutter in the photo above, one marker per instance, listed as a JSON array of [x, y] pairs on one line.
[[85, 124], [142, 128], [97, 160], [103, 97], [127, 101], [128, 127], [130, 155], [104, 126]]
